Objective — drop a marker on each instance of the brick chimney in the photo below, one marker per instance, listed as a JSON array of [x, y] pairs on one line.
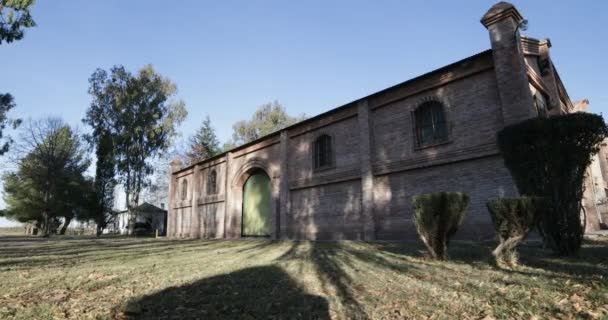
[[503, 21]]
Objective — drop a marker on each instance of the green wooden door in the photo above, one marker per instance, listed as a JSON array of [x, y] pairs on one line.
[[256, 205]]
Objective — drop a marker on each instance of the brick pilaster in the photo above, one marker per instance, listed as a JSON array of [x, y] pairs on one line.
[[227, 198], [195, 190], [284, 186], [171, 212], [367, 176]]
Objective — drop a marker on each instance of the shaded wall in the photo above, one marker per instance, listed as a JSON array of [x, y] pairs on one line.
[[482, 179], [377, 166]]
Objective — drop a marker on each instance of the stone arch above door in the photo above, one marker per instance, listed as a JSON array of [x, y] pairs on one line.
[[246, 169], [236, 184]]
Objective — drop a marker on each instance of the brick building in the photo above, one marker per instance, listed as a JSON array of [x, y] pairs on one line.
[[350, 173]]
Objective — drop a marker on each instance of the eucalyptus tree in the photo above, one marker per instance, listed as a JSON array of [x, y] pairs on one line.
[[6, 104], [268, 118], [139, 114], [14, 18]]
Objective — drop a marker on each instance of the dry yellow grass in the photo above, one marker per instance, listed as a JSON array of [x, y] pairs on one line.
[[118, 278]]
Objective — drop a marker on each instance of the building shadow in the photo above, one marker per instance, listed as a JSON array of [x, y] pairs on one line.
[[265, 292]]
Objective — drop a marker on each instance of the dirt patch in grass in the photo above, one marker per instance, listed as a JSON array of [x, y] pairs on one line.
[[131, 278]]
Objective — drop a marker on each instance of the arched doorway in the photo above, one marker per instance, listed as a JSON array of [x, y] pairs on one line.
[[256, 205]]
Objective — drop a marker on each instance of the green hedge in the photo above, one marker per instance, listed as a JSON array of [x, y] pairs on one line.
[[513, 219], [437, 217], [547, 157]]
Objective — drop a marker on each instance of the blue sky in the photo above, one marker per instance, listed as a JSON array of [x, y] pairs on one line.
[[228, 57]]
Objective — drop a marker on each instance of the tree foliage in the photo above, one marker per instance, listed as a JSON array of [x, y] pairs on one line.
[[548, 157], [513, 219], [105, 181], [6, 104], [437, 217], [138, 113], [204, 144], [14, 18], [102, 139], [49, 180], [268, 118]]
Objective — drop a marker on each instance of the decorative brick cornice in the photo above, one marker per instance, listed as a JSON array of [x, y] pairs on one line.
[[184, 173], [500, 11], [530, 46], [537, 81], [458, 72], [206, 165], [345, 175], [210, 199], [438, 159], [182, 204], [324, 122], [256, 147]]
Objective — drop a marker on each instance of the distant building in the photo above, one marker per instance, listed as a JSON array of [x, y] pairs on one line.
[[145, 215], [351, 172]]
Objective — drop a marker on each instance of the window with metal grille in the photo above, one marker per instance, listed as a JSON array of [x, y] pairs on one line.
[[323, 156], [431, 126], [212, 182]]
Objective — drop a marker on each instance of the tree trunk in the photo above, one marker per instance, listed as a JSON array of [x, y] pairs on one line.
[[65, 225], [99, 230], [46, 224]]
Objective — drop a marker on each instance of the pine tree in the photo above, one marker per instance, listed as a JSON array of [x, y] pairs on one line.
[[204, 144]]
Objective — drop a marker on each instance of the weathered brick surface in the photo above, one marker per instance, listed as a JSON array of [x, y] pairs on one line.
[[211, 217], [482, 179], [472, 109], [319, 212], [345, 135], [378, 165]]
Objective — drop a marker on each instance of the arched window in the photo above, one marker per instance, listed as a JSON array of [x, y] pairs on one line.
[[431, 126], [184, 189], [323, 153], [212, 182]]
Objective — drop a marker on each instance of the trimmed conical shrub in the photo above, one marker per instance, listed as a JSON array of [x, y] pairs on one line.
[[437, 217], [513, 219]]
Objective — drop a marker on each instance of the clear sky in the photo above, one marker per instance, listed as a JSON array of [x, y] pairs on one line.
[[228, 57]]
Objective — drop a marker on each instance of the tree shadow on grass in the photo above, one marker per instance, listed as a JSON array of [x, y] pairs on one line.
[[329, 265], [590, 262], [69, 253], [337, 264], [254, 293]]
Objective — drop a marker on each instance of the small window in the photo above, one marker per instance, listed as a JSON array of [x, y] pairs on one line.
[[184, 189], [431, 126], [212, 182], [323, 156]]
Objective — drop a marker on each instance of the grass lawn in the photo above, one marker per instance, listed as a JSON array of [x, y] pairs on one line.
[[124, 278]]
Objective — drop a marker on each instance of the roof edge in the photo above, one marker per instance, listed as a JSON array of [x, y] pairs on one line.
[[342, 107]]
